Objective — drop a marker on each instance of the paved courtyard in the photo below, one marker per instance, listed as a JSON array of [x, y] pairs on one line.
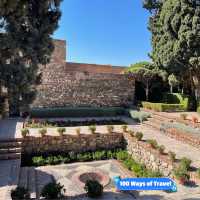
[[10, 170], [65, 175]]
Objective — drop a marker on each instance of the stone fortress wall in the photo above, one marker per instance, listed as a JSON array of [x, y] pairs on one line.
[[77, 84]]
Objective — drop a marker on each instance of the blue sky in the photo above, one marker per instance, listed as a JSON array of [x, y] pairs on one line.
[[105, 31]]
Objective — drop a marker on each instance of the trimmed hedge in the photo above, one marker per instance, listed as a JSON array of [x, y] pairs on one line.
[[161, 107], [171, 102], [76, 112], [177, 98]]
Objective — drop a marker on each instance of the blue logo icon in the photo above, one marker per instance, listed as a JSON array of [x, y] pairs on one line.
[[166, 184]]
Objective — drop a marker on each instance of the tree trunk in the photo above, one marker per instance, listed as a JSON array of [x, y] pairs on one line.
[[171, 88], [147, 92]]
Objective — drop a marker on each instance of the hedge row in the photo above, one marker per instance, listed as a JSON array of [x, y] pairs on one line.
[[161, 107], [177, 98], [76, 112]]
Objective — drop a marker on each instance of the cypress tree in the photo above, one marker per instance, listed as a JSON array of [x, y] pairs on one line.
[[26, 27]]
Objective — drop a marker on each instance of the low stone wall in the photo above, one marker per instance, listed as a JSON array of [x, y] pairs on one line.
[[142, 152], [68, 143], [183, 137]]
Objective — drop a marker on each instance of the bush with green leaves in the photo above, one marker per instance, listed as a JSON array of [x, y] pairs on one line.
[[92, 129], [25, 132], [131, 133], [53, 190], [139, 115], [172, 156], [110, 128], [139, 136], [43, 132], [153, 143], [181, 174], [20, 193], [161, 149], [61, 130], [185, 162], [93, 188], [122, 155], [163, 107]]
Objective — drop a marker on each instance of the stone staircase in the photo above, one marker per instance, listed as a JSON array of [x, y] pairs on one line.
[[10, 149], [34, 180], [156, 120]]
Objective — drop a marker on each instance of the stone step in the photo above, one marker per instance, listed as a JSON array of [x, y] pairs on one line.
[[159, 117], [155, 120], [152, 125], [10, 150], [7, 145], [10, 156]]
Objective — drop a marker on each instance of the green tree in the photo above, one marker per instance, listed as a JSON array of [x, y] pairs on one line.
[[175, 28], [146, 72], [172, 80], [26, 27]]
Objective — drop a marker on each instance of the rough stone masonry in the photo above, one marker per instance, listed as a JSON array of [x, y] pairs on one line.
[[75, 84]]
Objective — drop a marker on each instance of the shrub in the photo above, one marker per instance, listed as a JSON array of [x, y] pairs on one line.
[[92, 129], [52, 190], [78, 131], [139, 115], [61, 130], [185, 162], [183, 116], [177, 98], [122, 155], [198, 173], [162, 107], [172, 156], [139, 136], [153, 143], [110, 128], [76, 112], [99, 155], [43, 132], [124, 128], [25, 132], [181, 174], [131, 133], [93, 188], [161, 149], [20, 193], [153, 174], [38, 161]]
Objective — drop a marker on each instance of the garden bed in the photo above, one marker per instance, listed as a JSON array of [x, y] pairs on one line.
[[76, 112], [121, 155], [39, 123]]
